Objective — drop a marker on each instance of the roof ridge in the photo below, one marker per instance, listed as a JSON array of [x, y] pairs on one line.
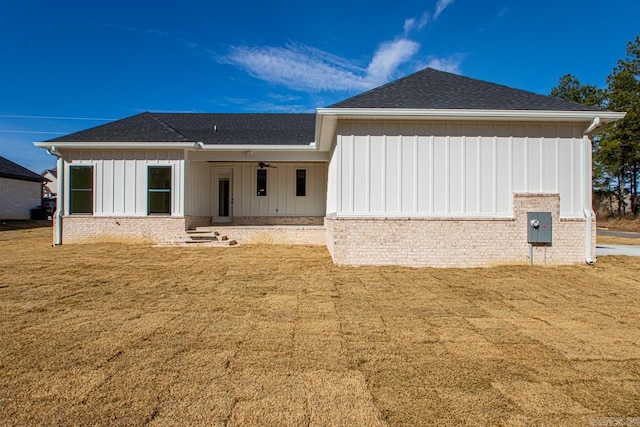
[[162, 123]]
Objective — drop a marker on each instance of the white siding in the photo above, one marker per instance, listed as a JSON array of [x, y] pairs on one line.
[[52, 184], [453, 169], [281, 199], [198, 189], [17, 197], [332, 184], [120, 179]]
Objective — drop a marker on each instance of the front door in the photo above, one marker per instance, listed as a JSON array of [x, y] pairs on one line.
[[222, 198]]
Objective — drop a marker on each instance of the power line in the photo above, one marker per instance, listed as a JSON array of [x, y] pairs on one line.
[[15, 116], [33, 131]]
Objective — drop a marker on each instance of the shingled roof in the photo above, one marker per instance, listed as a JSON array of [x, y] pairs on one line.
[[9, 169], [231, 128], [426, 89], [433, 89]]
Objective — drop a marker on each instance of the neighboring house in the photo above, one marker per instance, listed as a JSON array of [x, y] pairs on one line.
[[50, 188], [433, 169], [20, 190]]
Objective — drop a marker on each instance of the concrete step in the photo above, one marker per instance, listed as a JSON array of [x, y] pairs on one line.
[[201, 236], [198, 243], [202, 230]]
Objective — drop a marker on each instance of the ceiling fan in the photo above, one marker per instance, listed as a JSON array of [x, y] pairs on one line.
[[263, 165]]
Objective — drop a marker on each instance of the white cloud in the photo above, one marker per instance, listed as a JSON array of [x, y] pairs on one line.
[[415, 23], [283, 98], [449, 64], [440, 7], [409, 24], [305, 68], [387, 59], [504, 11]]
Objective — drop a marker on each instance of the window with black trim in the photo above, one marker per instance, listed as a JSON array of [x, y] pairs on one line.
[[159, 190], [261, 182], [81, 190], [301, 182]]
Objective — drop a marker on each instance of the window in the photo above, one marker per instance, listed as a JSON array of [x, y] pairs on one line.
[[261, 182], [301, 182], [81, 186], [159, 190]]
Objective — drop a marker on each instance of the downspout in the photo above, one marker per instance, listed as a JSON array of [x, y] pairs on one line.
[[588, 209], [60, 200]]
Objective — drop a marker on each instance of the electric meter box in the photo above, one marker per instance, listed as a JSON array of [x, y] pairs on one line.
[[539, 228]]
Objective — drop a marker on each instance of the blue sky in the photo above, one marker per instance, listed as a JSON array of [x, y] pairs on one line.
[[63, 62]]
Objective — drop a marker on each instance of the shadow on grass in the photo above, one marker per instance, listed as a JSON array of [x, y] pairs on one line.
[[23, 224]]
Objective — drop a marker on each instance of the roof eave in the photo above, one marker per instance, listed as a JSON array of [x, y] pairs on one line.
[[466, 114], [22, 177], [259, 147], [116, 145], [327, 118]]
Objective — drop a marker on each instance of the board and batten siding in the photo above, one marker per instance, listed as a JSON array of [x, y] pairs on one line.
[[453, 169], [198, 189], [120, 179], [281, 199]]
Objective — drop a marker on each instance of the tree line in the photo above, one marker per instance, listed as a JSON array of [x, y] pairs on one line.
[[616, 149]]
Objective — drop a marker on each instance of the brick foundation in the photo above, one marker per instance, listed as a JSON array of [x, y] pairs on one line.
[[192, 222], [144, 229], [284, 235], [457, 242], [278, 220]]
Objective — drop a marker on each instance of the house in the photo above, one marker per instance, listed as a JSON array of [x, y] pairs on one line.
[[50, 188], [20, 190], [433, 169]]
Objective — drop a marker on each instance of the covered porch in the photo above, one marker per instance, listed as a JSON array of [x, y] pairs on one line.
[[254, 192]]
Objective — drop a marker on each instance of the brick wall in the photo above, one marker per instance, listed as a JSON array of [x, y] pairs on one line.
[[17, 197], [456, 242], [147, 229]]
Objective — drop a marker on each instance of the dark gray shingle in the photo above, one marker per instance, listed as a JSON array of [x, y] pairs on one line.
[[9, 169], [433, 89], [232, 128], [426, 89], [139, 128]]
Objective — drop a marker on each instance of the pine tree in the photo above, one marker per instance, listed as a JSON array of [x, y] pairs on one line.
[[617, 148], [620, 145]]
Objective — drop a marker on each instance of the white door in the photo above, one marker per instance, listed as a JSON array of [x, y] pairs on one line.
[[222, 198]]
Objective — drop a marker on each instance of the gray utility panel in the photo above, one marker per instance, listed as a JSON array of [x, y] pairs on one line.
[[539, 228]]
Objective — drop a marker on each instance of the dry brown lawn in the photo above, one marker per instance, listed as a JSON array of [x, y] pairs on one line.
[[113, 334], [622, 224], [613, 240]]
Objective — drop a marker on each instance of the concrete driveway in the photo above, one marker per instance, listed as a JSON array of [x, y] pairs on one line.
[[602, 250], [606, 249]]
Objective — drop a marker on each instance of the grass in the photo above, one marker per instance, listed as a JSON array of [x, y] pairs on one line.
[[613, 240], [276, 335]]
